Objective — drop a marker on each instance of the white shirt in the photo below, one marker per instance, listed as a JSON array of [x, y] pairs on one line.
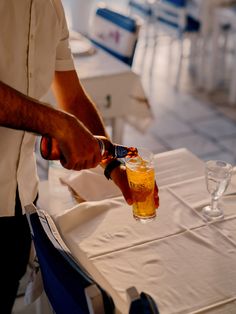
[[34, 43]]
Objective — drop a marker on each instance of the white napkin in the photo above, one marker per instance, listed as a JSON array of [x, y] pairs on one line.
[[91, 184]]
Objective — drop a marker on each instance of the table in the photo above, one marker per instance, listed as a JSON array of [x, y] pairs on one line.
[[114, 87], [186, 264]]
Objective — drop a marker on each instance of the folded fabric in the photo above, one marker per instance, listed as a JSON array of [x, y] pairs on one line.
[[91, 185]]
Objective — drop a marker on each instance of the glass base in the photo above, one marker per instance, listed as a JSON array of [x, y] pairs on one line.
[[212, 214], [143, 219]]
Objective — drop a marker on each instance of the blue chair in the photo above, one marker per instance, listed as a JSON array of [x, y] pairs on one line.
[[172, 16], [67, 285], [173, 12], [142, 7], [69, 288], [116, 33], [170, 10]]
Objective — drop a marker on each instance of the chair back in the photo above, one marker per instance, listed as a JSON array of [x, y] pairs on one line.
[[174, 14], [115, 32], [171, 14], [141, 303], [143, 7], [68, 286]]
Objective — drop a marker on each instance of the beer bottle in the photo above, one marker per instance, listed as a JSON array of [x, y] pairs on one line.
[[50, 150]]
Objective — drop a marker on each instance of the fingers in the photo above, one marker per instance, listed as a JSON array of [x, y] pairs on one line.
[[127, 195], [79, 165], [119, 177], [74, 159], [80, 149], [156, 197]]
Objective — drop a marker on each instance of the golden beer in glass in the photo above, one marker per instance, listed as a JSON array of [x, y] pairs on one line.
[[141, 177]]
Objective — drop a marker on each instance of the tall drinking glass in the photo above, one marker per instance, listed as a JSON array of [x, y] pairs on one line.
[[218, 175], [141, 177]]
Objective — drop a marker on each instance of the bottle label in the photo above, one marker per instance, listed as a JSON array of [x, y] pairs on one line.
[[120, 151]]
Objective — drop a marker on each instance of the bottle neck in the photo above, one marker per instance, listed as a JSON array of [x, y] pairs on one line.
[[120, 151], [109, 150], [50, 149]]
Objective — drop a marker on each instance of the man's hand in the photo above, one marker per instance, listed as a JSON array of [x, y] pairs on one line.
[[119, 177], [79, 148]]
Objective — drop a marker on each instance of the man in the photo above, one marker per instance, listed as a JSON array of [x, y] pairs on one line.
[[34, 56]]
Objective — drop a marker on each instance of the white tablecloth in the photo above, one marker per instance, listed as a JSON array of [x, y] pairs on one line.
[[184, 263]]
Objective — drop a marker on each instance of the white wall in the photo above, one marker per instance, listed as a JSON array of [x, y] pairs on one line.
[[78, 13]]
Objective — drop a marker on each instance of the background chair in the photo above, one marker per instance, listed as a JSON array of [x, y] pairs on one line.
[[143, 7], [223, 50], [169, 18], [115, 32], [173, 18], [69, 288]]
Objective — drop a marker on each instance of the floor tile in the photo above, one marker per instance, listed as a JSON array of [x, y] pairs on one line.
[[229, 143], [168, 125], [133, 137], [216, 127], [220, 155], [197, 144], [190, 109]]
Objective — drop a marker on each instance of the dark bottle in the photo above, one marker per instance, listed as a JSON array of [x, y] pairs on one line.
[[50, 150]]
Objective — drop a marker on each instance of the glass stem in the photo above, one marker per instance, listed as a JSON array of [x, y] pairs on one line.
[[214, 203]]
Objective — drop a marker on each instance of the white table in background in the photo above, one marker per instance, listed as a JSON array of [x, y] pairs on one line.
[[185, 264]]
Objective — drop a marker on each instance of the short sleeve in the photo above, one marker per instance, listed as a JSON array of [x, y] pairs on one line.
[[64, 59]]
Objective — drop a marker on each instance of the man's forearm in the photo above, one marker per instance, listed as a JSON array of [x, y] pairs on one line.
[[89, 115], [71, 97], [20, 112]]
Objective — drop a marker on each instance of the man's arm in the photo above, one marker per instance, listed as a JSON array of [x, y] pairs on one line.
[[79, 148], [71, 97]]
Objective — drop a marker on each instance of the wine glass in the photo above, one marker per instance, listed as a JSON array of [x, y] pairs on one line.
[[218, 175]]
